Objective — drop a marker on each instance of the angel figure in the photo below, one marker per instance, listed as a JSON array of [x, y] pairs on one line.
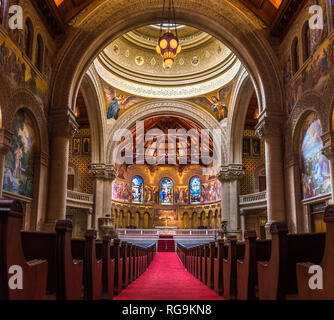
[[117, 102]]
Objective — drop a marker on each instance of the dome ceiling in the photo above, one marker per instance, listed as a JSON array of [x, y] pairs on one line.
[[131, 64]]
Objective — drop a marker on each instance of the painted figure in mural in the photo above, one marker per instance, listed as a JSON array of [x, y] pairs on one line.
[[116, 102], [18, 156], [113, 110], [315, 176]]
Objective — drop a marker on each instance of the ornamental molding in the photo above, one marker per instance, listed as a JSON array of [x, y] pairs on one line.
[[102, 171], [269, 127], [231, 172], [63, 123]]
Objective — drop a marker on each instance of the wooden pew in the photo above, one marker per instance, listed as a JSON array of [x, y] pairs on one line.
[[210, 265], [221, 253], [64, 273], [34, 272], [277, 278], [247, 279], [204, 262], [124, 254], [135, 265], [92, 275], [103, 251], [131, 262], [200, 253], [116, 255], [327, 265], [235, 251]]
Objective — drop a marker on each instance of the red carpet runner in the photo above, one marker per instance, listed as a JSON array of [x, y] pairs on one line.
[[167, 279]]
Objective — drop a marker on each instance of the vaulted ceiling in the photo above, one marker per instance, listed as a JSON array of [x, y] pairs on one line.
[[276, 14]]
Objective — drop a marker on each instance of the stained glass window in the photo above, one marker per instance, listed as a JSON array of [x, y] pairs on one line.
[[195, 190], [166, 192], [137, 190]]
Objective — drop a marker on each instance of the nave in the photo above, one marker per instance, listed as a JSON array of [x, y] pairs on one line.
[[167, 279]]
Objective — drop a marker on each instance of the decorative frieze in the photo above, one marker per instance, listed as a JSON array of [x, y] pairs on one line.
[[231, 172], [102, 171]]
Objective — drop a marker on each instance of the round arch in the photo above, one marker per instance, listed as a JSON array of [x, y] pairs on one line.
[[104, 21], [97, 122], [166, 107], [242, 94]]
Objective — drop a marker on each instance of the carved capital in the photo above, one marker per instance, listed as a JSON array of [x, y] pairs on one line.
[[328, 142], [102, 171], [231, 172], [63, 123], [5, 141], [269, 127]]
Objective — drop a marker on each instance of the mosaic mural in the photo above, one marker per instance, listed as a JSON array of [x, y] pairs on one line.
[[316, 73], [18, 172], [13, 64], [121, 191], [216, 102], [117, 102], [315, 172]]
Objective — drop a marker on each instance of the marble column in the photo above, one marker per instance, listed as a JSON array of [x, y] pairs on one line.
[[243, 223], [5, 146], [230, 177], [270, 130], [102, 175], [63, 128]]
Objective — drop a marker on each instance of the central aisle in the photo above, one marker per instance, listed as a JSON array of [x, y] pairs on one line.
[[167, 279]]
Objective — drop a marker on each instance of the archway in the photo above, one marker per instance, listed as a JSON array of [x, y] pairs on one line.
[[110, 19]]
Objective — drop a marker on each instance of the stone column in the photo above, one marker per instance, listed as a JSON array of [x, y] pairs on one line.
[[102, 175], [63, 128], [230, 176], [270, 130], [5, 146], [243, 223]]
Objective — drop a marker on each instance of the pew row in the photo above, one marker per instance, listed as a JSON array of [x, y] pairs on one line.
[[324, 290], [19, 279], [277, 277]]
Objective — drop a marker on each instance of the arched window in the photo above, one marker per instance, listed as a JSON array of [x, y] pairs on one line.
[[195, 190], [137, 190], [306, 41], [314, 166], [39, 53], [295, 55], [28, 37], [166, 192]]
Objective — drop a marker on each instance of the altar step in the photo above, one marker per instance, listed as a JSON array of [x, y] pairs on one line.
[[166, 243]]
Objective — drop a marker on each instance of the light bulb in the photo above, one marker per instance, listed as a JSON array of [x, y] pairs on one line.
[[158, 49], [169, 63], [163, 44], [178, 49], [173, 43]]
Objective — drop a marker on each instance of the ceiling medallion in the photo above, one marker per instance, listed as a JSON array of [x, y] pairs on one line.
[[168, 45]]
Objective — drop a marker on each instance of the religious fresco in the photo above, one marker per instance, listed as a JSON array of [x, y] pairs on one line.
[[315, 172], [13, 64], [316, 73], [166, 192], [137, 190], [18, 172], [195, 190], [117, 102], [121, 191], [211, 192], [216, 102]]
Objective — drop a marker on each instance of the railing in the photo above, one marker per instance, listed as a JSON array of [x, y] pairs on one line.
[[79, 199], [175, 232], [255, 198]]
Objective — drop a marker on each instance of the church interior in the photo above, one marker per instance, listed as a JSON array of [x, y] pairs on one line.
[[139, 137]]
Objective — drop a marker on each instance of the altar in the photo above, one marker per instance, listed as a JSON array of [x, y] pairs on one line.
[[168, 231]]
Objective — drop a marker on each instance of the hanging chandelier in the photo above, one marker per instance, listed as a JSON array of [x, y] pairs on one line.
[[169, 45]]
